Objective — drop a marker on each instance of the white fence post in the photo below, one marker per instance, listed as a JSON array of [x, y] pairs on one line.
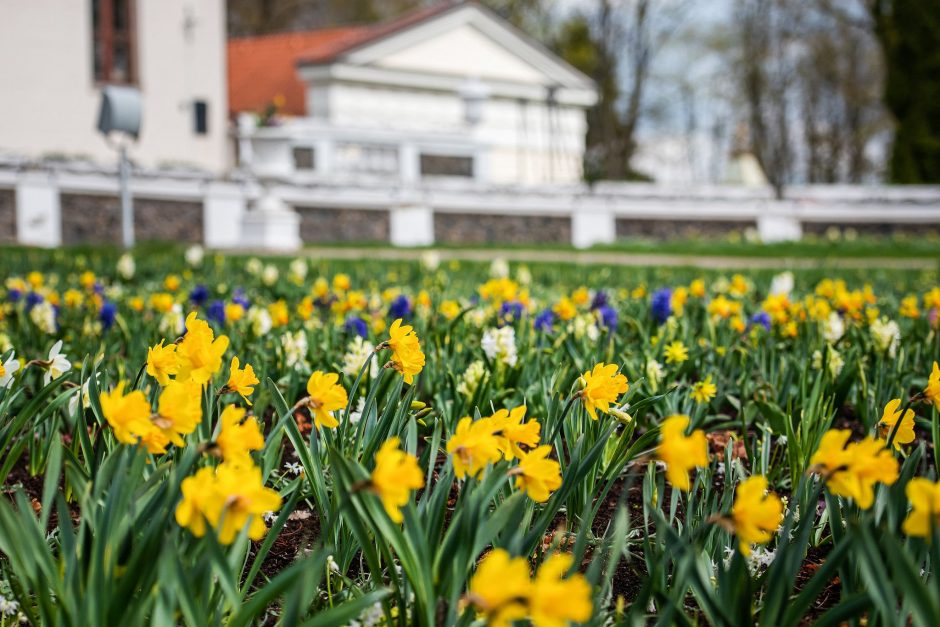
[[592, 226], [411, 226], [38, 212], [223, 209]]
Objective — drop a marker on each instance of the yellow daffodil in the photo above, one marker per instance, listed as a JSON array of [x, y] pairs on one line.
[[602, 386], [681, 453], [449, 309], [676, 352], [229, 498], [395, 475], [500, 588], [473, 446], [755, 514], [234, 312], [704, 391], [538, 475], [924, 496], [565, 309], [555, 600], [852, 470], [238, 437], [407, 357], [161, 362], [199, 353], [512, 431], [325, 395], [171, 283], [890, 417], [179, 410], [242, 381], [128, 414], [932, 391]]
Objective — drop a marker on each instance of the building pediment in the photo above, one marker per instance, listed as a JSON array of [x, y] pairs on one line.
[[444, 45]]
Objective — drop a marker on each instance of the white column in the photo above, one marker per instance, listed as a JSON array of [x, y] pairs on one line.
[[409, 163], [223, 210], [323, 156], [592, 226], [411, 225], [38, 213]]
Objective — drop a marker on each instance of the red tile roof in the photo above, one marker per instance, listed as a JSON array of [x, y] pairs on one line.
[[263, 68]]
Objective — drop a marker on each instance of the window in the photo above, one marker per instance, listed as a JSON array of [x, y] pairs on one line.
[[113, 41], [303, 158], [200, 117], [446, 165]]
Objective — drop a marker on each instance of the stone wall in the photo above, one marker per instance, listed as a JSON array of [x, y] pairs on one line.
[[477, 228], [685, 229], [871, 229], [318, 225], [7, 216], [88, 218]]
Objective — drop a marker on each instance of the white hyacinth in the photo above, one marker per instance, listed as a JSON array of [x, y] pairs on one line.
[[43, 316], [357, 352], [295, 349], [500, 345], [298, 270], [471, 379], [499, 268]]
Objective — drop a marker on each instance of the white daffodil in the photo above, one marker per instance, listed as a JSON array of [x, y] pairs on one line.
[[58, 364], [7, 370]]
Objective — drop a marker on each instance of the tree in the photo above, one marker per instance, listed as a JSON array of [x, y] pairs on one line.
[[909, 34]]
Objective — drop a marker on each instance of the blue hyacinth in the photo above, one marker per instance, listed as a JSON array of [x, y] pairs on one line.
[[600, 300], [33, 299], [107, 314], [216, 312], [400, 308], [355, 325], [661, 304], [199, 295], [545, 321], [509, 311], [762, 318], [607, 316]]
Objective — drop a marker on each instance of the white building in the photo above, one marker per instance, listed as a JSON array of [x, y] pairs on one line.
[[448, 91], [56, 54]]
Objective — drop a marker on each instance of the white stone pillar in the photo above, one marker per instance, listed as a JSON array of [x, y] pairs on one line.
[[409, 163], [271, 225], [323, 156], [411, 225], [592, 226], [38, 212], [223, 210]]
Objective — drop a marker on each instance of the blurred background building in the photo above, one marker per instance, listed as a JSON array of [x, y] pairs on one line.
[[272, 123]]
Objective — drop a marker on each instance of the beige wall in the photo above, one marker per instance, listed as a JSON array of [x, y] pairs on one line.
[[49, 102]]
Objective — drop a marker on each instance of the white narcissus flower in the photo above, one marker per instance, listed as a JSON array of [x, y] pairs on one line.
[[499, 268], [295, 349], [126, 266], [298, 270], [7, 370], [270, 275], [833, 328], [58, 364], [431, 259], [194, 255], [782, 284], [886, 335], [260, 320]]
